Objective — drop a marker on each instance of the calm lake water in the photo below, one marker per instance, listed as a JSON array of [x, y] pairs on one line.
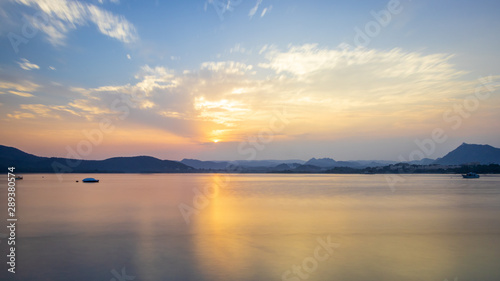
[[255, 227]]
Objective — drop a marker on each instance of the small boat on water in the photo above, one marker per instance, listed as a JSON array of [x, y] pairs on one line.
[[90, 180], [470, 175], [19, 177]]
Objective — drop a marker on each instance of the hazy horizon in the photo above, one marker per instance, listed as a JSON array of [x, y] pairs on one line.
[[231, 160]]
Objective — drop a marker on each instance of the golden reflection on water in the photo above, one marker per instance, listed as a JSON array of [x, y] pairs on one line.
[[391, 237]]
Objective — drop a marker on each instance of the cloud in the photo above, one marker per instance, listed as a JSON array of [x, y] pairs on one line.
[[85, 108], [21, 115], [129, 57], [238, 48], [27, 65], [22, 88], [366, 90], [222, 111], [191, 103], [51, 67], [255, 8], [252, 11], [112, 1], [266, 10], [222, 6], [228, 67], [306, 60], [114, 26], [21, 94], [60, 16], [154, 78], [38, 109], [327, 93], [31, 111]]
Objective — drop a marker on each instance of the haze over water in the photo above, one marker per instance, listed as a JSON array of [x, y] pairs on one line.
[[432, 227]]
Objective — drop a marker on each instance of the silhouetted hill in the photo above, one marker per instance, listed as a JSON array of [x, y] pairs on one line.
[[7, 152], [471, 153], [307, 169], [282, 167], [266, 163], [137, 164], [244, 164], [330, 163], [424, 161], [13, 157], [322, 162], [198, 164], [26, 163], [285, 167]]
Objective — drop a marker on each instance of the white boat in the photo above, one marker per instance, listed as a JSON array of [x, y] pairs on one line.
[[470, 175]]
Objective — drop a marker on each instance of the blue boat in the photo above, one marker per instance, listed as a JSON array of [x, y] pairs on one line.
[[90, 180], [470, 175]]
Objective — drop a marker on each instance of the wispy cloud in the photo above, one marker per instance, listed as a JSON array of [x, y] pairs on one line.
[[64, 15], [227, 67], [306, 60], [112, 1], [266, 10], [22, 88], [21, 94], [31, 111], [238, 48], [27, 65], [255, 8]]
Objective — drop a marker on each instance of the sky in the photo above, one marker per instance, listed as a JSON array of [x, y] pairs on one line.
[[249, 79]]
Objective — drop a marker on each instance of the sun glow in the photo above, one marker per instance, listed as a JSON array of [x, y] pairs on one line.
[[216, 141]]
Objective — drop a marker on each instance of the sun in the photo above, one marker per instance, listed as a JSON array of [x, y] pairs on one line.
[[216, 141]]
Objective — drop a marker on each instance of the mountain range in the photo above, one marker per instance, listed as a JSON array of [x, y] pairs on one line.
[[25, 162], [28, 163]]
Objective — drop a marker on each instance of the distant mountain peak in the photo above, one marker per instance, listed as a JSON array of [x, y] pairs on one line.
[[321, 162], [474, 145], [324, 158], [471, 153]]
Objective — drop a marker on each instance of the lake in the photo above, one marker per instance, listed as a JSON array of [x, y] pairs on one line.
[[255, 227]]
